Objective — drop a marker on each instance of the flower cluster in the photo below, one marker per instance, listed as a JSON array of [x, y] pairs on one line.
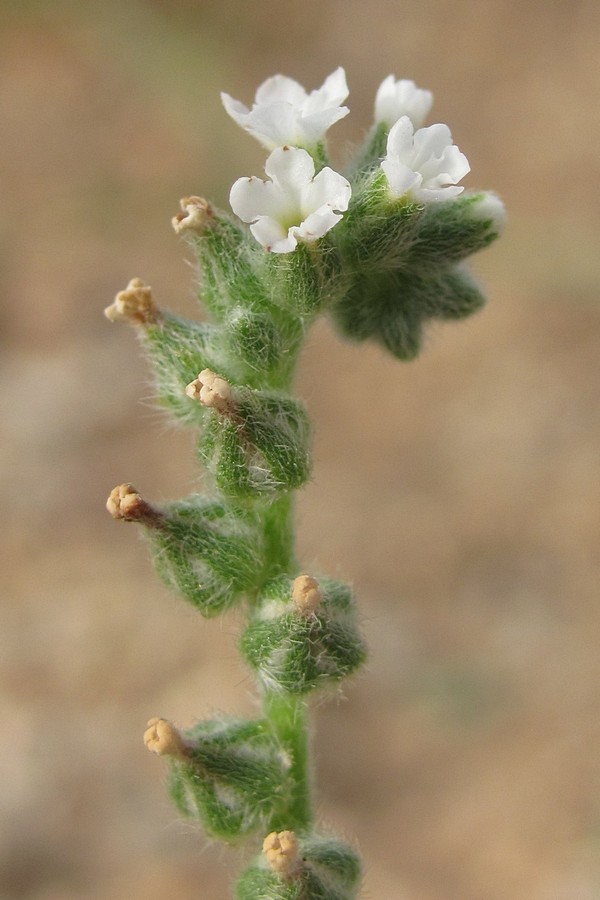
[[295, 204], [389, 237]]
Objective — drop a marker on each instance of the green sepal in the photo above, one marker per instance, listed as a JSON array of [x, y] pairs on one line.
[[177, 350], [330, 870], [381, 233], [450, 293], [319, 154], [378, 232], [260, 448], [231, 266], [233, 779], [254, 348], [450, 230], [260, 883], [206, 553], [380, 308], [307, 279], [374, 148], [259, 348], [294, 652], [392, 308], [406, 259]]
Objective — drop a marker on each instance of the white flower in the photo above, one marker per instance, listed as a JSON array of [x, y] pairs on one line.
[[395, 99], [283, 113], [294, 205], [425, 164]]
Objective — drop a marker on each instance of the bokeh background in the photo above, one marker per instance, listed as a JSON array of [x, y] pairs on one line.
[[460, 493]]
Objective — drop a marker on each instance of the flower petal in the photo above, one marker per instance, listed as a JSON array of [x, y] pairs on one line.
[[400, 139], [252, 197], [327, 189], [431, 142], [401, 178], [313, 127], [395, 99], [332, 92], [447, 168], [272, 235], [235, 109], [280, 88], [317, 224], [273, 125], [426, 195], [290, 168]]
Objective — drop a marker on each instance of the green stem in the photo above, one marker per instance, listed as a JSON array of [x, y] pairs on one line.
[[288, 717], [278, 531], [287, 714]]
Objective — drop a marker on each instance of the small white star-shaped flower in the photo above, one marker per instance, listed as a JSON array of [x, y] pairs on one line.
[[423, 164], [395, 99], [295, 205], [283, 113]]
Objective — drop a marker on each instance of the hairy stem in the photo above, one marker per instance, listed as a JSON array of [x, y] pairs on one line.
[[288, 717], [287, 714], [278, 530]]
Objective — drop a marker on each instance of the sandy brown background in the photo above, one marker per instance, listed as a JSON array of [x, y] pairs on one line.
[[460, 493]]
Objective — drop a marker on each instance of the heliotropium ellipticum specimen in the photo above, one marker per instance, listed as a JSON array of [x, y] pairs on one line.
[[381, 248]]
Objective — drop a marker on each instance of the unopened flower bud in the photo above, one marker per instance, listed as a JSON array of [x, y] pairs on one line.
[[230, 776], [306, 594], [163, 739], [135, 304], [311, 865], [489, 206], [302, 635], [205, 552], [211, 390], [194, 216], [259, 442], [282, 854], [125, 503]]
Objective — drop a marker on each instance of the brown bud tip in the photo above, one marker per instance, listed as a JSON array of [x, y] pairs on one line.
[[125, 503], [282, 853], [163, 739], [135, 304], [211, 390], [194, 216], [306, 594]]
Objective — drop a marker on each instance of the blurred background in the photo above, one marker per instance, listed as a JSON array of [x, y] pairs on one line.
[[463, 500]]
